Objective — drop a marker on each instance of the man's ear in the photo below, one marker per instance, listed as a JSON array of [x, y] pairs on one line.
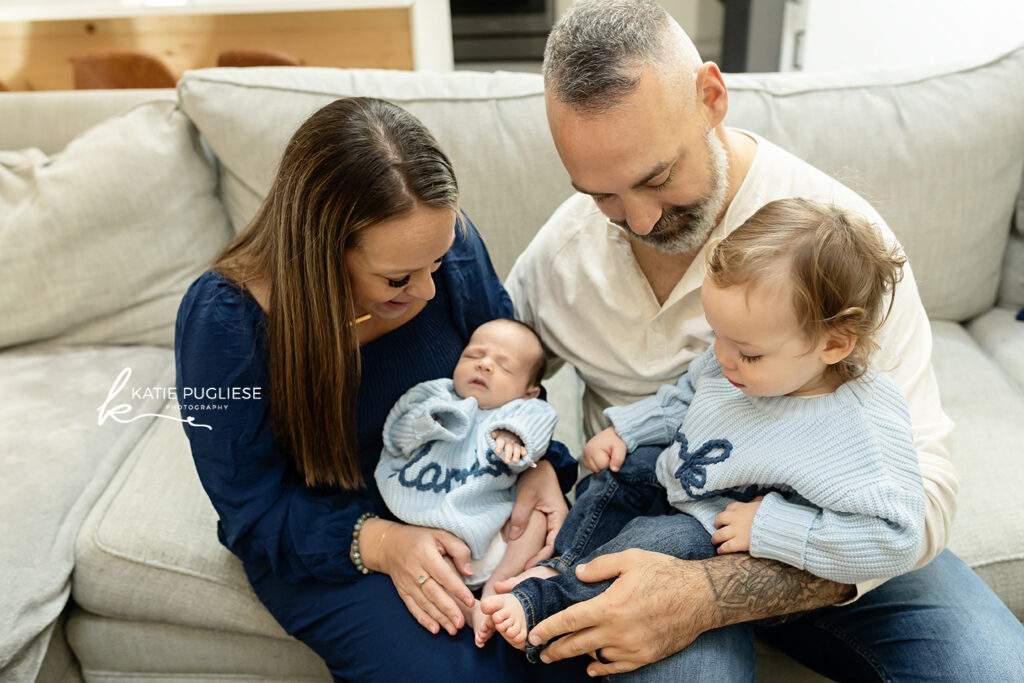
[[711, 93], [532, 392], [838, 345]]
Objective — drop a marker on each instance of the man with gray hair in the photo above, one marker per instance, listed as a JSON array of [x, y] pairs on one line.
[[612, 285]]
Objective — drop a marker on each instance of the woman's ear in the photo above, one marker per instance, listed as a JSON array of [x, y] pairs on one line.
[[838, 345], [532, 392]]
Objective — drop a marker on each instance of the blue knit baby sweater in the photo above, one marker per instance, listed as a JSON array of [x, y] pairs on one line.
[[438, 467], [844, 498]]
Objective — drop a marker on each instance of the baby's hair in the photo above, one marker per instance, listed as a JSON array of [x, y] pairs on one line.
[[540, 368], [838, 263]]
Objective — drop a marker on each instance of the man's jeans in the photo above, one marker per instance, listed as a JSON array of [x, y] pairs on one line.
[[938, 623]]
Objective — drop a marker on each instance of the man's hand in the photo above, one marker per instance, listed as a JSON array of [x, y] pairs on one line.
[[508, 443], [606, 449], [734, 524], [656, 606]]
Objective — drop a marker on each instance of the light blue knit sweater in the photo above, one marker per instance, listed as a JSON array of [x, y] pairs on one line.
[[438, 466], [845, 500]]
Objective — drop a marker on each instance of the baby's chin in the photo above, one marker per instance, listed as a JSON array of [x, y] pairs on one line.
[[483, 396]]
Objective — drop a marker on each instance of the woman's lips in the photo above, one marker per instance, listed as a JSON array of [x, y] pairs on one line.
[[397, 305]]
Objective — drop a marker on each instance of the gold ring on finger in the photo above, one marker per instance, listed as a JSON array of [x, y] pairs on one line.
[[422, 579]]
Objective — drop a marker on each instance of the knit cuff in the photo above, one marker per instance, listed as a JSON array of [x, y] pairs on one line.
[[533, 429], [639, 423], [780, 530], [444, 416]]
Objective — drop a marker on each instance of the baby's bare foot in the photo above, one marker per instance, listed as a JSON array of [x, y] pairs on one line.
[[505, 585], [483, 625], [508, 618]]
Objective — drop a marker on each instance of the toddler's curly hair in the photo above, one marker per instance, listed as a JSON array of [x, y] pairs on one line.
[[837, 262]]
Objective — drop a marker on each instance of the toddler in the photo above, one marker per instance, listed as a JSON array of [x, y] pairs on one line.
[[775, 442], [454, 447]]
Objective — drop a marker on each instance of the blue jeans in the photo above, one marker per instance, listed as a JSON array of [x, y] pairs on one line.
[[938, 623]]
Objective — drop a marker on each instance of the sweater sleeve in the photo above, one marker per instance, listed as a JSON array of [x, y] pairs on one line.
[[425, 413], [656, 419], [866, 521], [533, 421], [267, 515], [839, 546]]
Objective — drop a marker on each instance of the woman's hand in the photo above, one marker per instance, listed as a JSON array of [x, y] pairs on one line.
[[538, 489], [406, 553]]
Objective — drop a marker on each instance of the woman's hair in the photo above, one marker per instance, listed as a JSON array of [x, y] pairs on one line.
[[353, 164], [837, 262]]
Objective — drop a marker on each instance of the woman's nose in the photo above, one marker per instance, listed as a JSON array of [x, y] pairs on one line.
[[421, 285]]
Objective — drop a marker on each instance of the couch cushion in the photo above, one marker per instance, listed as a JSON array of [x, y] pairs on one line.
[[99, 242], [1011, 287], [117, 650], [149, 550], [988, 411], [55, 461], [1001, 336], [938, 151], [49, 120], [492, 126]]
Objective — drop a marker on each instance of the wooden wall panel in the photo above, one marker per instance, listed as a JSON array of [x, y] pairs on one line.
[[36, 55]]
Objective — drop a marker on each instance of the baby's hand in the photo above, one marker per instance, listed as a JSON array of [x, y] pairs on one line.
[[734, 524], [509, 443], [606, 449]]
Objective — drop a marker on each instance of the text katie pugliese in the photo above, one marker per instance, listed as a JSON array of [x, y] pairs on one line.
[[198, 393]]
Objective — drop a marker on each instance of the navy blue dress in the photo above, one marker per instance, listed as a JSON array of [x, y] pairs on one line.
[[294, 541]]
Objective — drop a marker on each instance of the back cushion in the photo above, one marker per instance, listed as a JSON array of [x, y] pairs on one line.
[[98, 242], [938, 151], [491, 125]]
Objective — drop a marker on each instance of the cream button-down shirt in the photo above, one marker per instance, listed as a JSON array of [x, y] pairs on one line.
[[579, 285]]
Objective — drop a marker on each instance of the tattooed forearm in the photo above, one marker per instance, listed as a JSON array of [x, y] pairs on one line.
[[748, 588]]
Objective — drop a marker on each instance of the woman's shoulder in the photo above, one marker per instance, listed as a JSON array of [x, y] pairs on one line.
[[217, 304], [468, 248]]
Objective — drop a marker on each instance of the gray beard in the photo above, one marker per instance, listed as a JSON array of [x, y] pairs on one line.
[[685, 228]]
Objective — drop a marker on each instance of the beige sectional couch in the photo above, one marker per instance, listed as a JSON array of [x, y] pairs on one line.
[[106, 223]]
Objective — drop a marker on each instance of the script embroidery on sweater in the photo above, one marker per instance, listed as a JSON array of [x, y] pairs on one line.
[[436, 478], [692, 473]]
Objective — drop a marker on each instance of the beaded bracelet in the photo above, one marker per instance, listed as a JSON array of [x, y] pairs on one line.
[[357, 559]]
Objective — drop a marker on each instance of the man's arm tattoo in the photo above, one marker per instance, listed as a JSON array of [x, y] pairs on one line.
[[748, 588]]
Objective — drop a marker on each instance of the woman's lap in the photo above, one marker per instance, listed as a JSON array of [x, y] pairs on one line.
[[364, 632]]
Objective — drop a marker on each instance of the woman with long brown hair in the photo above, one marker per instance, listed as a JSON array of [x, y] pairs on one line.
[[357, 279]]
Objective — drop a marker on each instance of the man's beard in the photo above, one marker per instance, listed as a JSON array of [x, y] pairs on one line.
[[685, 228]]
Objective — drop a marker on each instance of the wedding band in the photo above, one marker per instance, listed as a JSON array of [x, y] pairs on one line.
[[600, 657], [422, 580]]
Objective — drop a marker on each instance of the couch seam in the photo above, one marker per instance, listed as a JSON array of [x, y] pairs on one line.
[[304, 91], [954, 71]]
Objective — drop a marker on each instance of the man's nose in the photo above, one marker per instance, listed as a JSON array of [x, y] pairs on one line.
[[641, 215]]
